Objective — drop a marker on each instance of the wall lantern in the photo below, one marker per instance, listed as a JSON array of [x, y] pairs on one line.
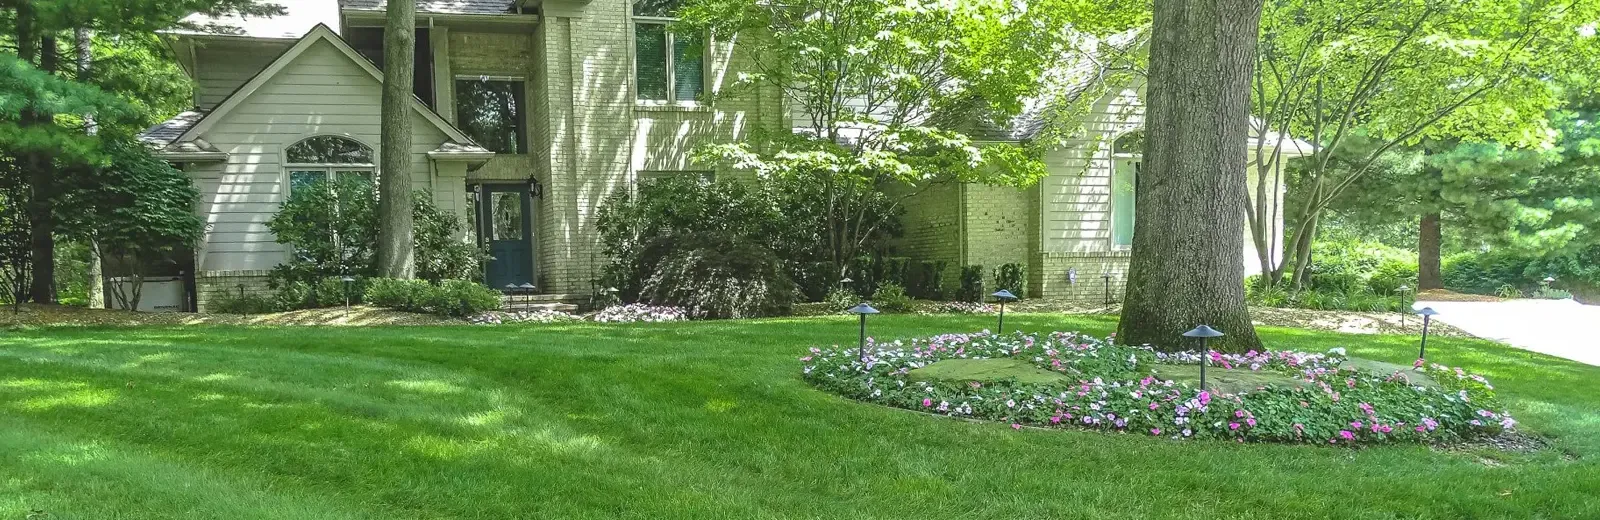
[[535, 188], [863, 310], [1002, 296], [1205, 333], [1427, 316], [1072, 276]]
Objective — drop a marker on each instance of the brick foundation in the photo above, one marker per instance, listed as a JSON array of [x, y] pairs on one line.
[[210, 285]]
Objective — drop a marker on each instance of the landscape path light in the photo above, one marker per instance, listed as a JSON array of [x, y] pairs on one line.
[[348, 281], [1405, 307], [1427, 316], [1205, 333], [863, 310], [527, 294], [1107, 278], [1003, 296]]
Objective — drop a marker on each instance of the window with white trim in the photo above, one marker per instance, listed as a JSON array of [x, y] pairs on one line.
[[325, 157], [668, 67], [1127, 159]]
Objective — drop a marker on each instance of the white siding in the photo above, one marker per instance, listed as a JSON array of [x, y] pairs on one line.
[[321, 92], [1076, 197], [223, 67]]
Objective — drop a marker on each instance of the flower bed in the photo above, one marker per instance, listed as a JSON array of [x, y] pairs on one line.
[[638, 312], [1108, 386]]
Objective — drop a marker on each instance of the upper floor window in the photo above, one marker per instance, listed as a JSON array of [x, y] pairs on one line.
[[492, 112], [668, 67]]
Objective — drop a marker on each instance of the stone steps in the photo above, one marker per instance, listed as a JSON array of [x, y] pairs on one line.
[[540, 302]]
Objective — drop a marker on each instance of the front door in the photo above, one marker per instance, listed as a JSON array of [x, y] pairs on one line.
[[505, 226]]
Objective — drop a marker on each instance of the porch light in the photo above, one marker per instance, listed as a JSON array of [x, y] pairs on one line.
[[1427, 316], [863, 310], [1205, 333], [1002, 296], [535, 188]]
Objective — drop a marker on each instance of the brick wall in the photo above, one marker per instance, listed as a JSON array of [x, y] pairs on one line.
[[209, 285], [997, 224], [1053, 282], [932, 225]]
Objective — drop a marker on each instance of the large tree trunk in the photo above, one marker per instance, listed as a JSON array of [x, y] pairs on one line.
[[396, 257], [85, 48], [1188, 248], [1429, 275], [41, 179]]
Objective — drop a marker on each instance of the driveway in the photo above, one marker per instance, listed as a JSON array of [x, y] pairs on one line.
[[1562, 328]]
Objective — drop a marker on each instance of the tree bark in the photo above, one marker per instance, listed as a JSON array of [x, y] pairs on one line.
[[41, 179], [1429, 274], [1188, 247], [85, 49], [396, 255]]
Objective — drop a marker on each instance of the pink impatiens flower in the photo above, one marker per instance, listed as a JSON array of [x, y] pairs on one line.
[[1233, 426], [1251, 421], [927, 403], [1347, 435], [1155, 431]]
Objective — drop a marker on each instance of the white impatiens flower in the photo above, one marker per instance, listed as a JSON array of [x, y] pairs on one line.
[[1337, 351]]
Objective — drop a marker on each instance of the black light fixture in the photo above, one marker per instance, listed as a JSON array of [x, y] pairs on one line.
[[527, 294], [511, 296], [1107, 277], [348, 281], [535, 188], [1003, 296], [863, 310], [1427, 316], [1205, 333]]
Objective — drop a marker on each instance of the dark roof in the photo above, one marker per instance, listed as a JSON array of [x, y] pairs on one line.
[[163, 134], [439, 6]]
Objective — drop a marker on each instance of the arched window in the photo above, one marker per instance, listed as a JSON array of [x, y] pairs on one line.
[[324, 157], [1131, 143], [1127, 159]]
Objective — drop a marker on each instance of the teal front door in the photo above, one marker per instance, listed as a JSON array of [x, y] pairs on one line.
[[505, 228]]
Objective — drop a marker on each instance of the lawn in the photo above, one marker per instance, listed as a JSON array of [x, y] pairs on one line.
[[688, 420]]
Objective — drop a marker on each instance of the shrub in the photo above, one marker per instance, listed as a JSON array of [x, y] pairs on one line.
[[242, 304], [332, 228], [1346, 266], [461, 298], [1391, 274], [971, 284], [894, 270], [1120, 388], [406, 295], [717, 276], [892, 298], [841, 299], [927, 280], [1012, 277]]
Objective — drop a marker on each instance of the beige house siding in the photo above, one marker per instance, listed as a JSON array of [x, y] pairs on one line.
[[322, 92], [1076, 196], [222, 66]]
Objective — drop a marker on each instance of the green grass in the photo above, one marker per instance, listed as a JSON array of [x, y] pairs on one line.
[[696, 420]]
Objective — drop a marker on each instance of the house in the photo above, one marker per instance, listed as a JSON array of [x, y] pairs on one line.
[[1072, 233], [527, 115]]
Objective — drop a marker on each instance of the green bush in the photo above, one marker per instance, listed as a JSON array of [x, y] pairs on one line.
[[712, 275], [245, 304], [1391, 274], [971, 284], [460, 298], [1012, 277], [332, 228], [406, 295], [1346, 267], [927, 280], [841, 299], [892, 298]]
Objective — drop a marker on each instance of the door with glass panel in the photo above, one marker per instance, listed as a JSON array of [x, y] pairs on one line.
[[505, 227]]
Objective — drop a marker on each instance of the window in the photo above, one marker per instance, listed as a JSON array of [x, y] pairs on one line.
[[324, 157], [491, 111], [668, 67], [1126, 161]]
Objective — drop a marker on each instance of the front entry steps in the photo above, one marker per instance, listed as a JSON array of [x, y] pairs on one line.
[[540, 302]]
